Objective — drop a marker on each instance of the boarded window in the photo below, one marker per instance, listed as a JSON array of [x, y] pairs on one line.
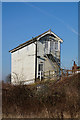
[[46, 44], [56, 45], [51, 45]]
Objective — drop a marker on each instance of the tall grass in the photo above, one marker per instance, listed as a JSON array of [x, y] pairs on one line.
[[53, 100]]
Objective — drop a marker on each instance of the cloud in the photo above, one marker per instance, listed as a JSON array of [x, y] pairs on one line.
[[55, 17], [72, 29]]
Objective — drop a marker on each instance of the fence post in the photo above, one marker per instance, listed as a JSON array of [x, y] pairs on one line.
[[67, 72], [40, 75]]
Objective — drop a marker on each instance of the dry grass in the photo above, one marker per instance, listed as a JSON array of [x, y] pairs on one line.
[[59, 99]]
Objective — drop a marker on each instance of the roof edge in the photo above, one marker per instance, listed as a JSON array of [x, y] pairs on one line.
[[33, 40]]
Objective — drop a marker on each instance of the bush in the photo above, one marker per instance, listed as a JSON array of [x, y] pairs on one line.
[[54, 98]]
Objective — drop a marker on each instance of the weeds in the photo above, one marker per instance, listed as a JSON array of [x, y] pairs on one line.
[[55, 99]]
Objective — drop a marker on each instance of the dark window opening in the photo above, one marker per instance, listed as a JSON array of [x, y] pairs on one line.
[[40, 67]]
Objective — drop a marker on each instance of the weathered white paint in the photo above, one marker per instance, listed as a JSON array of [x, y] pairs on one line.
[[58, 45], [50, 32], [23, 60], [47, 65], [23, 64], [48, 47]]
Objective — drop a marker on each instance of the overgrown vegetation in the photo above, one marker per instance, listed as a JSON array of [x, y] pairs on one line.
[[49, 99]]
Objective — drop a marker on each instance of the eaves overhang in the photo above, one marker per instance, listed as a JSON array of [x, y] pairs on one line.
[[35, 39]]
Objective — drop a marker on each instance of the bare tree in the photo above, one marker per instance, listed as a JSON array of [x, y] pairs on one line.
[[18, 78]]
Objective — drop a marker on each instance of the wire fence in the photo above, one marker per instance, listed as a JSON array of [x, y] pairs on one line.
[[51, 74]]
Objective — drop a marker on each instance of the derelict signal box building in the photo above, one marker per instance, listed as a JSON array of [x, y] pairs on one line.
[[38, 55]]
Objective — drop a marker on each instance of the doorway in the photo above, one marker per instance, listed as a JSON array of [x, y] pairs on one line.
[[40, 71]]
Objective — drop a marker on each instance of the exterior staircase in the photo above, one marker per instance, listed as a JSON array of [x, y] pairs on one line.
[[54, 60]]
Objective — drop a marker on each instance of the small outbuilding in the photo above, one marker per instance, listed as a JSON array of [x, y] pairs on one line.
[[33, 58]]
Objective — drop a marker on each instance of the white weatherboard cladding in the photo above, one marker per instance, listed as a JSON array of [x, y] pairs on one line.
[[40, 52], [58, 45], [23, 64], [23, 60], [46, 63], [40, 49], [50, 32]]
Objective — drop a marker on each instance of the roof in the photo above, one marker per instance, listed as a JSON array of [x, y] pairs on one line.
[[35, 39]]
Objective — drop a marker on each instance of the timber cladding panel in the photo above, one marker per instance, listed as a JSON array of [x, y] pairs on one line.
[[23, 64]]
